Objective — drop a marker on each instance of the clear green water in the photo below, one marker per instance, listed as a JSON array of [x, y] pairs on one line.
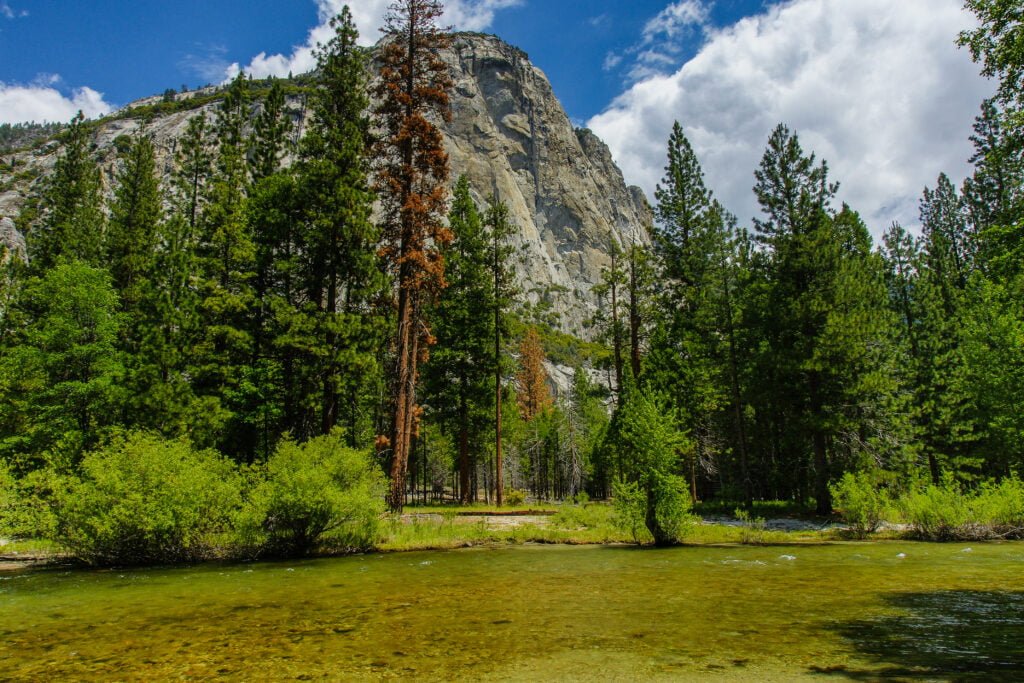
[[848, 611]]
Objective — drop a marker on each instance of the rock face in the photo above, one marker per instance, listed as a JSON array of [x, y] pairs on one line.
[[11, 241], [510, 136]]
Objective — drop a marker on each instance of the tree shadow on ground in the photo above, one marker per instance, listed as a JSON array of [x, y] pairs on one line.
[[951, 635]]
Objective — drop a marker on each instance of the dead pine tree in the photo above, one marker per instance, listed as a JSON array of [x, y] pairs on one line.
[[411, 180]]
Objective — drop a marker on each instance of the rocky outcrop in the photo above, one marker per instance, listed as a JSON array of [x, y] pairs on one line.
[[510, 136], [11, 241]]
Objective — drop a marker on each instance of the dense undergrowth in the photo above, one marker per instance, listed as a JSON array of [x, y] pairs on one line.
[[934, 512], [142, 499]]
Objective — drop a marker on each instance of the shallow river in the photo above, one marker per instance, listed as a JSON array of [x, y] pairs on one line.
[[840, 612]]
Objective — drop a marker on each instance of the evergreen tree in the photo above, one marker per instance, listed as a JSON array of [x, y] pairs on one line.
[[61, 376], [73, 223], [940, 293], [611, 310], [340, 269], [459, 378], [688, 355], [412, 170], [225, 261], [532, 392], [502, 295], [794, 194], [135, 216], [194, 167], [270, 133]]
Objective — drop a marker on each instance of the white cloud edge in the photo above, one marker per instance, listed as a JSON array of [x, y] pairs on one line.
[[466, 15], [41, 102], [884, 141]]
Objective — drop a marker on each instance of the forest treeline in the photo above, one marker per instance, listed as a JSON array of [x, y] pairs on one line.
[[249, 300]]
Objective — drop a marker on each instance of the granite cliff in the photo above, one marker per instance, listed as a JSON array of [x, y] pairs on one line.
[[508, 133]]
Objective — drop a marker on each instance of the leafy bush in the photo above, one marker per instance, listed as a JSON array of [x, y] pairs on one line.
[[515, 497], [947, 513], [144, 499], [937, 513], [630, 505], [579, 516], [861, 503], [650, 444], [752, 529], [25, 510], [320, 491], [1001, 507], [9, 501]]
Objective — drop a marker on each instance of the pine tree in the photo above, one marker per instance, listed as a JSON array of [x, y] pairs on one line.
[[412, 170], [794, 194], [458, 379], [503, 294], [340, 268], [61, 378], [73, 223], [270, 134], [135, 216], [132, 251], [688, 358], [532, 391], [225, 259], [194, 167], [608, 319]]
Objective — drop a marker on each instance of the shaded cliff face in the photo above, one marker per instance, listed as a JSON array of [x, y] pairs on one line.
[[508, 134]]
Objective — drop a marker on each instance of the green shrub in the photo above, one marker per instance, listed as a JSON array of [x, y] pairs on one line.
[[515, 497], [753, 530], [574, 517], [861, 503], [314, 493], [650, 443], [947, 513], [25, 505], [1000, 508], [9, 502], [630, 505], [937, 513], [144, 499]]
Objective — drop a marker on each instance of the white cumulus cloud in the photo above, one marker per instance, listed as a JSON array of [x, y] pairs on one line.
[[467, 15], [43, 102], [877, 88]]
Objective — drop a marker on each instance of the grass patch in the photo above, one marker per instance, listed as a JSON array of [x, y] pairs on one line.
[[766, 509], [587, 524], [481, 509], [29, 548]]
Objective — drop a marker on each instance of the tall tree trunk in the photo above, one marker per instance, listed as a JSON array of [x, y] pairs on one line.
[[330, 393], [400, 421], [616, 332], [499, 471], [737, 397], [634, 315], [822, 496], [463, 444]]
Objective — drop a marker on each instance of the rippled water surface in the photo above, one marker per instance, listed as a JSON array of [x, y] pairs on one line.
[[840, 612]]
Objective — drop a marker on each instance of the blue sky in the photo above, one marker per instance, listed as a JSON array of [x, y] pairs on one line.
[[877, 87], [127, 49]]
